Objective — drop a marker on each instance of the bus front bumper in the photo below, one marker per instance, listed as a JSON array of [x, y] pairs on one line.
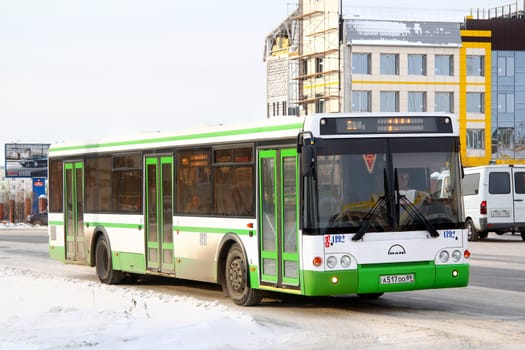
[[382, 278]]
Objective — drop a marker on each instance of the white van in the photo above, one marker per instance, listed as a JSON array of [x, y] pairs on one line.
[[494, 199]]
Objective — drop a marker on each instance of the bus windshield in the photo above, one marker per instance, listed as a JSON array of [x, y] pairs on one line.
[[380, 185]]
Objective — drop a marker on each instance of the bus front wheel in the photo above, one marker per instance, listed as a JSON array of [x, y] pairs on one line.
[[237, 279], [103, 263]]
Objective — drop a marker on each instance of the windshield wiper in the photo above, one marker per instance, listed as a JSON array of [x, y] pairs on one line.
[[369, 218], [375, 210], [415, 213]]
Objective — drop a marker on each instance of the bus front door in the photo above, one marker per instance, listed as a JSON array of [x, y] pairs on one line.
[[159, 214], [74, 211], [278, 218]]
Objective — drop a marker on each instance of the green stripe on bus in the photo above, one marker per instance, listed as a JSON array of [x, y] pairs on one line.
[[55, 223], [105, 224], [115, 225], [179, 138], [222, 230], [213, 230]]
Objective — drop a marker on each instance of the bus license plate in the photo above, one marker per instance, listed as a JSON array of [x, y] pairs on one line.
[[397, 279]]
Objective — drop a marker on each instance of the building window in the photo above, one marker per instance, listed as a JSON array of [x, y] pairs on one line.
[[444, 102], [475, 102], [389, 63], [417, 64], [305, 67], [506, 66], [389, 101], [505, 140], [361, 101], [319, 62], [475, 139], [505, 103], [417, 101], [444, 65], [361, 63], [319, 104], [284, 107], [475, 66]]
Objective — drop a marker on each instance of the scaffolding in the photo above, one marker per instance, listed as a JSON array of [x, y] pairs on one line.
[[318, 61], [303, 61]]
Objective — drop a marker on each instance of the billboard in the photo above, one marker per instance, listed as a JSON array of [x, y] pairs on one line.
[[26, 159]]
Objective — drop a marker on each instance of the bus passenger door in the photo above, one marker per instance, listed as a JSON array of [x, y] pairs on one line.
[[159, 214], [278, 218], [74, 211]]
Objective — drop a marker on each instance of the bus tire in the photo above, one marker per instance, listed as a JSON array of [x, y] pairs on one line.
[[523, 235], [472, 233], [237, 279], [103, 263]]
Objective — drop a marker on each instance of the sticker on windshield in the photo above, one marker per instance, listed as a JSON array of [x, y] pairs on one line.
[[370, 160]]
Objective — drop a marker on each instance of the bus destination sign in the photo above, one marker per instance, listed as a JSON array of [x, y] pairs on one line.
[[386, 125]]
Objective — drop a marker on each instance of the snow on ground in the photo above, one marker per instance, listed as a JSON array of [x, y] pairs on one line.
[[42, 311], [46, 312], [4, 225]]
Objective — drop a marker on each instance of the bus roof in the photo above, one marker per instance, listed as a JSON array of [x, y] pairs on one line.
[[275, 128]]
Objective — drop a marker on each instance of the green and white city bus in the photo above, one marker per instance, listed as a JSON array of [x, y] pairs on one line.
[[314, 206]]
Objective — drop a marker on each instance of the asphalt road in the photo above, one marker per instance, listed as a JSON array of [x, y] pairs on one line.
[[494, 261], [488, 314]]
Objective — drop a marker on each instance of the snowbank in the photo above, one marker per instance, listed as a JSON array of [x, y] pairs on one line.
[[45, 312]]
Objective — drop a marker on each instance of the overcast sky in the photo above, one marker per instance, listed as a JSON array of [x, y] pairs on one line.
[[77, 69]]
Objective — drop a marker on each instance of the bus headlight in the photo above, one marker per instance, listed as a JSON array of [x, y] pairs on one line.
[[331, 262], [443, 256], [345, 261], [456, 255]]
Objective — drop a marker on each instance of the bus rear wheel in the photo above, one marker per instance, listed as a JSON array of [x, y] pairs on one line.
[[103, 263], [237, 281]]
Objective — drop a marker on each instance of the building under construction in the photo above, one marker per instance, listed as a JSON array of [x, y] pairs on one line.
[[328, 56]]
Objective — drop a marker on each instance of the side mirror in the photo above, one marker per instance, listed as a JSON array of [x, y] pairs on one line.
[[308, 160]]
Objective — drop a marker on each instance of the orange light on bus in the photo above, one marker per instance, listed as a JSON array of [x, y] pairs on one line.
[[249, 225], [317, 261], [466, 254]]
